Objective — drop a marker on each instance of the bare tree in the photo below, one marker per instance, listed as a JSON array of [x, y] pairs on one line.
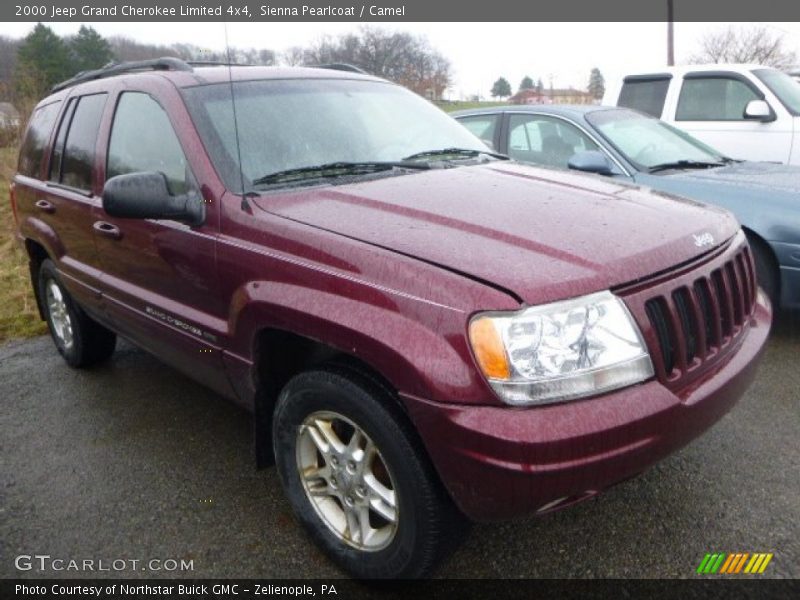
[[128, 49], [293, 57], [398, 56], [754, 44], [8, 58]]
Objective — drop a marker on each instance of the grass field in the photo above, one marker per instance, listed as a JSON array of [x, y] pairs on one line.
[[18, 314], [464, 105]]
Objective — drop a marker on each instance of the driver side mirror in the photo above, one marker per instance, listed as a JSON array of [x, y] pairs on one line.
[[145, 195], [759, 110], [590, 161]]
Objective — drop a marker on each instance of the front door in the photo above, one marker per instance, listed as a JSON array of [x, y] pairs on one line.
[[711, 108], [160, 278]]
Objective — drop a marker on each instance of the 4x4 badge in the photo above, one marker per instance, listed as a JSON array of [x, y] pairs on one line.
[[703, 239]]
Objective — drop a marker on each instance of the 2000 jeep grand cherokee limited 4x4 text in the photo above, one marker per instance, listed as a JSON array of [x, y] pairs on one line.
[[423, 330]]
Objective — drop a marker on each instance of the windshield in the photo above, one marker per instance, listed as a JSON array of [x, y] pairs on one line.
[[784, 87], [292, 124], [648, 142]]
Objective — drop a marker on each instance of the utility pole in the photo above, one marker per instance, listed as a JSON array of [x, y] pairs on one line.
[[670, 35]]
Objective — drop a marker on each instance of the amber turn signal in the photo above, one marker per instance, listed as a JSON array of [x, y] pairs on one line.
[[489, 350]]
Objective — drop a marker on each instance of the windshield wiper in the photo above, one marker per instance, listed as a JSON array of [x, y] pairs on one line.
[[455, 152], [686, 164], [336, 169]]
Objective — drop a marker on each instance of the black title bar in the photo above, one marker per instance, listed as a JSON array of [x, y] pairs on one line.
[[401, 10], [444, 589]]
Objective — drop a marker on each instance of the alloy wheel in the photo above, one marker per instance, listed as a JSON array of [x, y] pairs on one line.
[[346, 481], [59, 314]]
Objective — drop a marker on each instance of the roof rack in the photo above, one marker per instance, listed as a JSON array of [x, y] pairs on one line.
[[219, 63], [166, 63], [342, 67]]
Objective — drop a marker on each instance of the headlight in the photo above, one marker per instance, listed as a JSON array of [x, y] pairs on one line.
[[560, 351]]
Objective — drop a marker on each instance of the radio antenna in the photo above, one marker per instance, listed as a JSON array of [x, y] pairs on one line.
[[245, 203]]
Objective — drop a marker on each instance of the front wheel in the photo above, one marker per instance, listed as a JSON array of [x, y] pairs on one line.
[[356, 477], [767, 272]]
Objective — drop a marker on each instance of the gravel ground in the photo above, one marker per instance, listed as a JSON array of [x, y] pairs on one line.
[[135, 461]]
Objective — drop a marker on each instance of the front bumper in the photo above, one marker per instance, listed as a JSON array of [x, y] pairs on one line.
[[500, 462]]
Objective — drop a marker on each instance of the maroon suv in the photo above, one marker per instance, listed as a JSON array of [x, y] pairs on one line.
[[423, 330]]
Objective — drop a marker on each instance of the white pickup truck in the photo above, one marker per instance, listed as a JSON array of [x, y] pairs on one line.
[[747, 112]]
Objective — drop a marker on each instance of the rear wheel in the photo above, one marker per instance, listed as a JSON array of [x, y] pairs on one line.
[[80, 340], [357, 479]]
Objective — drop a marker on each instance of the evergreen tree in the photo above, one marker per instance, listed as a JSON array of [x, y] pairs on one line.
[[597, 84], [501, 88], [526, 84], [42, 61], [539, 85], [89, 50]]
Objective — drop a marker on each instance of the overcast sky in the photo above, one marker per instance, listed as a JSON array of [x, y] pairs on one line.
[[479, 52]]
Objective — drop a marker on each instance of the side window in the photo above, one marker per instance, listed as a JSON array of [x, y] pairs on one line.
[[482, 126], [81, 139], [524, 135], [35, 144], [57, 156], [646, 95], [142, 139], [546, 140], [714, 99]]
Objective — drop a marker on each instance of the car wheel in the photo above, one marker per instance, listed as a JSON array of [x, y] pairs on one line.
[[357, 478], [80, 340], [766, 270]]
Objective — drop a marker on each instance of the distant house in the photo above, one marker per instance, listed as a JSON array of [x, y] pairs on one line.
[[9, 115], [556, 96]]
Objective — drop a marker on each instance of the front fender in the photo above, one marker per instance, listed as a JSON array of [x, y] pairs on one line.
[[425, 355]]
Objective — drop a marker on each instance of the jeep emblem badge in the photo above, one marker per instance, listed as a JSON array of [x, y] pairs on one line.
[[703, 239]]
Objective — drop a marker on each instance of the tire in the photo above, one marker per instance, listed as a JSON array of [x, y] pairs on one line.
[[80, 340], [766, 270], [404, 539]]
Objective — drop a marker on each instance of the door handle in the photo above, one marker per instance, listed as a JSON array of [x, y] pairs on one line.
[[108, 230], [45, 206]]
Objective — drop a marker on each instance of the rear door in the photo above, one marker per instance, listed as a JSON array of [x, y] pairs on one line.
[[160, 276], [69, 196]]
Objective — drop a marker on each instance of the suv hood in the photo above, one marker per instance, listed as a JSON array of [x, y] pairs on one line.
[[539, 234]]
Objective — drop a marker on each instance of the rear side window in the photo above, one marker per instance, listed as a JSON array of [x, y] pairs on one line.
[[57, 155], [76, 168], [714, 99], [142, 139], [482, 126], [35, 144], [73, 153], [645, 95]]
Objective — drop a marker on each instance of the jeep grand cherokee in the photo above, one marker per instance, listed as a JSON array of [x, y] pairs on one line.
[[423, 330]]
